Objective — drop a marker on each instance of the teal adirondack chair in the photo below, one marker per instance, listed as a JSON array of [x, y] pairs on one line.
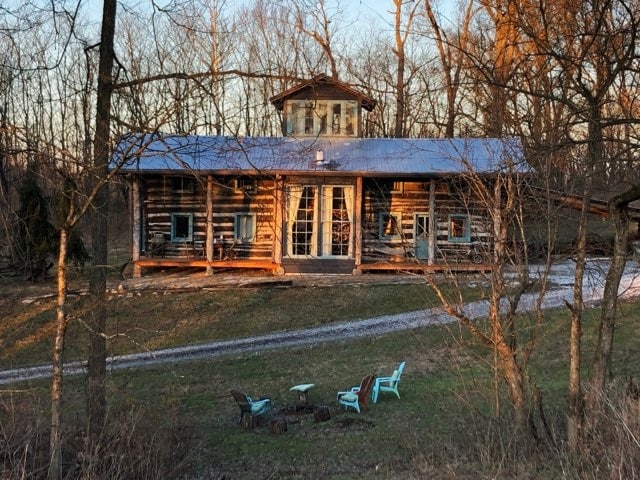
[[388, 384], [356, 397], [252, 407]]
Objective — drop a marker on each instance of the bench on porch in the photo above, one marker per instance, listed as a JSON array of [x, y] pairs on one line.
[[393, 254], [193, 249]]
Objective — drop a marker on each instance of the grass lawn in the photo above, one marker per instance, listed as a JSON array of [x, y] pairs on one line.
[[180, 419], [151, 320]]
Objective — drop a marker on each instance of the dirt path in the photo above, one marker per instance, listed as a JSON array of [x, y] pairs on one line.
[[561, 276]]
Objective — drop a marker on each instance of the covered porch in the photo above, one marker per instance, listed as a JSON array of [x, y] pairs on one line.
[[370, 266]]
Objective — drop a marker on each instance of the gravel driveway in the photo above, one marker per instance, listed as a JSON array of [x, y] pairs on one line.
[[561, 277]]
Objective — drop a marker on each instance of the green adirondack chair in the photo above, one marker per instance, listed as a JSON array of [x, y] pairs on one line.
[[388, 384], [249, 406]]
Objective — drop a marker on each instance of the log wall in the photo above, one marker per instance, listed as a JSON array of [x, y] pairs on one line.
[[230, 196], [408, 198], [161, 201]]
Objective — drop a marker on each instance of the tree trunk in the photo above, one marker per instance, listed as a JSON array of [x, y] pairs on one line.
[[604, 346], [503, 334], [575, 407], [55, 451], [399, 51], [512, 375], [278, 425], [95, 391]]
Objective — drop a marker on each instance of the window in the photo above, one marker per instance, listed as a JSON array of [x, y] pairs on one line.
[[337, 113], [389, 225], [396, 187], [302, 224], [308, 120], [292, 119], [306, 117], [245, 184], [459, 228], [181, 227], [245, 227], [421, 225], [351, 116], [322, 117], [183, 185]]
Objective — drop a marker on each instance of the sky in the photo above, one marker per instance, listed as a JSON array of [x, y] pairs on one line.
[[360, 8]]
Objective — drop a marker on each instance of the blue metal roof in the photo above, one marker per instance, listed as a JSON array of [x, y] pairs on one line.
[[363, 156]]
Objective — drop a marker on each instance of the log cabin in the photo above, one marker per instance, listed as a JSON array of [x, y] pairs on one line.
[[319, 199]]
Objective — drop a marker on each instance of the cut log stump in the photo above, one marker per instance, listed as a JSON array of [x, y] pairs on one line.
[[250, 421], [321, 413], [278, 425]]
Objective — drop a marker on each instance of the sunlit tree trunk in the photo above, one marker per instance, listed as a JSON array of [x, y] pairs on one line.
[[55, 450], [505, 20]]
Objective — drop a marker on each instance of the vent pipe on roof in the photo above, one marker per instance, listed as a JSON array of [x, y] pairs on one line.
[[319, 158]]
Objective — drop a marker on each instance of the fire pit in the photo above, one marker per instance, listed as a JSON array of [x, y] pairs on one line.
[[297, 410], [320, 413]]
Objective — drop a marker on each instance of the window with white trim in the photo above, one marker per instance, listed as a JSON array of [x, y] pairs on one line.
[[245, 227], [313, 118], [181, 227]]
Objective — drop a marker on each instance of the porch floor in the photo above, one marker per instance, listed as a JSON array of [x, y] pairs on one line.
[[367, 266], [424, 267]]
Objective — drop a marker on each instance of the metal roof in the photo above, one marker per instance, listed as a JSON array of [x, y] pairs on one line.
[[362, 156]]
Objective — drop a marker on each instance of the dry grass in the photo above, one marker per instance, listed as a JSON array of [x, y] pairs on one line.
[[150, 320]]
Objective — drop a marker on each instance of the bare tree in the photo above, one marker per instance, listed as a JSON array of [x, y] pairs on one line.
[[591, 48], [451, 52], [504, 200], [97, 362], [315, 20], [402, 29]]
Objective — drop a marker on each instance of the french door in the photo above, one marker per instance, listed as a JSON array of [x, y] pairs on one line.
[[319, 221]]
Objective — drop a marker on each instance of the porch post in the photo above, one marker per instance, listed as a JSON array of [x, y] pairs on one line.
[[357, 225], [209, 231], [278, 231], [136, 225], [433, 223]]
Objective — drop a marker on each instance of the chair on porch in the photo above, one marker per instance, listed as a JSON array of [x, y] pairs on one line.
[[356, 397], [254, 408], [158, 243], [388, 384]]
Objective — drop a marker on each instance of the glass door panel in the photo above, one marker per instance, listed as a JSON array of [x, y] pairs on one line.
[[301, 221], [336, 221], [421, 233]]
